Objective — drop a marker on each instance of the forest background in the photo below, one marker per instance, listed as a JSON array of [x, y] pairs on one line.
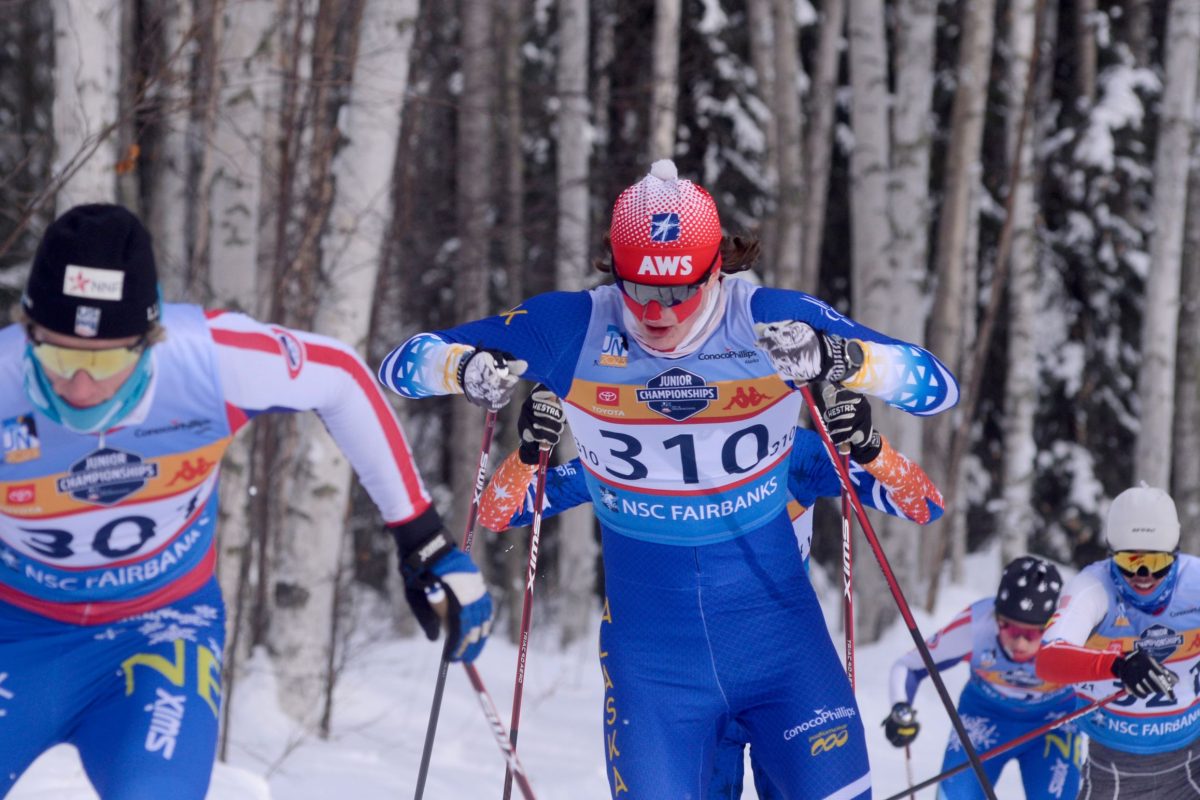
[[1014, 184]]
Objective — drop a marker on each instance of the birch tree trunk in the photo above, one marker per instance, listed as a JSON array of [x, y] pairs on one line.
[[664, 93], [167, 215], [761, 21], [1021, 385], [87, 80], [871, 265], [789, 125], [1160, 317], [1085, 51], [819, 144], [869, 163], [474, 189], [1185, 472], [576, 544], [332, 279], [947, 330]]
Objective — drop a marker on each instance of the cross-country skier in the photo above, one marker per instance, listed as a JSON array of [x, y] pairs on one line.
[[509, 498], [685, 428], [1132, 622], [1003, 699], [115, 412]]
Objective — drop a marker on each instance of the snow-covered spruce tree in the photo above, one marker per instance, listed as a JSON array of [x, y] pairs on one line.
[[1098, 196]]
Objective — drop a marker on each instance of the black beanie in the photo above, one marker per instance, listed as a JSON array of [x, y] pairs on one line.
[[94, 275]]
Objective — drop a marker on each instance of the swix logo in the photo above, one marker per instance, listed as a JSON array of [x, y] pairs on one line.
[[746, 399], [190, 472], [166, 718], [481, 476], [665, 265], [21, 495], [846, 568], [533, 554], [608, 395]]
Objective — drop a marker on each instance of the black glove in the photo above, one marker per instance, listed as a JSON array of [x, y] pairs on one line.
[[540, 423], [901, 726], [1142, 675], [489, 377], [847, 417], [441, 581]]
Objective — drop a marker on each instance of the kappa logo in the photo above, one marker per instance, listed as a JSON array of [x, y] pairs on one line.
[[608, 395], [746, 399], [190, 472], [292, 350], [662, 266], [615, 350], [677, 394], [20, 440], [21, 495]]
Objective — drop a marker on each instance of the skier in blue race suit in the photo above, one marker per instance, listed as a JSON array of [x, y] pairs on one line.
[[1004, 699], [114, 412], [508, 501], [673, 380]]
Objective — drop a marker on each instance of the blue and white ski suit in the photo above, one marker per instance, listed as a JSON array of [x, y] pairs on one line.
[[710, 616], [111, 622], [1003, 699]]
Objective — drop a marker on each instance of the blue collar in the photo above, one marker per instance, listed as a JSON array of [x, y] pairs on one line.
[[93, 419], [1151, 603]]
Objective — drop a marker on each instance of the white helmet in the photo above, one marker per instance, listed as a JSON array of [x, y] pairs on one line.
[[1142, 518]]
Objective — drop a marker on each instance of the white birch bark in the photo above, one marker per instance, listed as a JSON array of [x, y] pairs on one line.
[[952, 300], [819, 144], [1160, 314], [168, 213], [1085, 51], [312, 546], [664, 94], [577, 545], [761, 22], [87, 75], [789, 138], [245, 88], [1021, 385], [869, 163]]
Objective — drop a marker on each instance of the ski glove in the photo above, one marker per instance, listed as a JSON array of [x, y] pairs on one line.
[[1142, 675], [801, 354], [847, 417], [441, 581], [901, 726], [489, 377], [540, 423]]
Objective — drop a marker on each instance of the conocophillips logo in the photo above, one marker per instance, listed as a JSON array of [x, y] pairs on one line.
[[821, 717]]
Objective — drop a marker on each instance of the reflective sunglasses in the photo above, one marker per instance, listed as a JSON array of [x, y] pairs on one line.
[[667, 296], [1134, 562], [100, 364], [1017, 631]]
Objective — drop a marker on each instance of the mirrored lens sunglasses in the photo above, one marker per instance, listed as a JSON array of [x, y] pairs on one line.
[[667, 296], [100, 364], [1133, 563], [1029, 633]]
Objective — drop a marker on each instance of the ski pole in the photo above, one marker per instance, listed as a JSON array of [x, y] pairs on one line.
[[848, 578], [1004, 748], [439, 688], [898, 594], [493, 718], [535, 535], [912, 793]]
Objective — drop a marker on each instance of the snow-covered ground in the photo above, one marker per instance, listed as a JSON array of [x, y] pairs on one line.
[[382, 704]]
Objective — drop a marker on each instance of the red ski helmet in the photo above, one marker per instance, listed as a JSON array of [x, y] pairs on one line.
[[665, 230]]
